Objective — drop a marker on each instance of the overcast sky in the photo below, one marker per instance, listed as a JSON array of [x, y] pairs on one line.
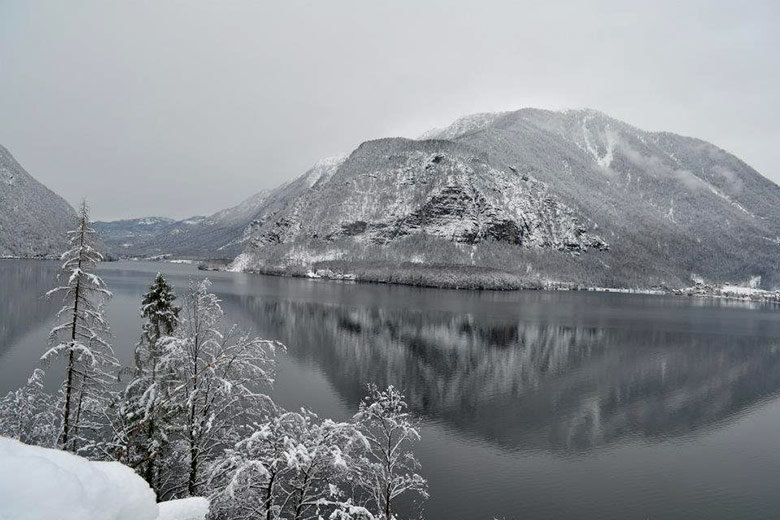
[[184, 108]]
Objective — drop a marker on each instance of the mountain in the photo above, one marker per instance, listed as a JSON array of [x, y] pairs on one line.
[[119, 235], [530, 197], [222, 235], [33, 219], [214, 236]]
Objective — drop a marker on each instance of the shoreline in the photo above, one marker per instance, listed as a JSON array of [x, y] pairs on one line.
[[460, 279], [747, 295]]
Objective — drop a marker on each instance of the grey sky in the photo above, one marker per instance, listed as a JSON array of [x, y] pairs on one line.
[[182, 108]]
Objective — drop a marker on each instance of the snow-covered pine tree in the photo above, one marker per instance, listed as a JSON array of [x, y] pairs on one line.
[[162, 316], [80, 340], [146, 413], [388, 468], [28, 413], [220, 375]]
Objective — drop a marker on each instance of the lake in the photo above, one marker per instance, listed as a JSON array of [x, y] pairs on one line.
[[534, 405]]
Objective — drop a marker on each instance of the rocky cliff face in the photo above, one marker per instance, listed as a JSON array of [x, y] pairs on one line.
[[33, 219], [430, 202], [394, 188], [573, 196]]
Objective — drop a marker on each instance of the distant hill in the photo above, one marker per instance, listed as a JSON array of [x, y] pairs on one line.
[[119, 235], [33, 219], [531, 196], [221, 235]]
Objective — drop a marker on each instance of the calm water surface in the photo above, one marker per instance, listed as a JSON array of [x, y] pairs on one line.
[[535, 405]]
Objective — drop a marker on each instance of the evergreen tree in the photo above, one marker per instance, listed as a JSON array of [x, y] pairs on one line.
[[146, 411], [161, 314], [80, 339]]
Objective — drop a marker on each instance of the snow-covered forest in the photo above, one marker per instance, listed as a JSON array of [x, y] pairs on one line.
[[191, 417]]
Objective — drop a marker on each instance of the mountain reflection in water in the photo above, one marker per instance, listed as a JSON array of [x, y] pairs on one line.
[[20, 309], [529, 385]]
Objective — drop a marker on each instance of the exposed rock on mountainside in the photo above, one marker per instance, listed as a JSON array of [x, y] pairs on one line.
[[33, 219], [394, 188], [572, 196]]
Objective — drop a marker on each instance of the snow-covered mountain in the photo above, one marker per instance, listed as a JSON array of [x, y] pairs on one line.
[[390, 189], [221, 235], [119, 235], [573, 196], [462, 125], [214, 236], [33, 219]]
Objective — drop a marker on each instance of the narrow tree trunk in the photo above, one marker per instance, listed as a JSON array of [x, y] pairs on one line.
[[389, 474], [77, 421], [149, 473], [66, 412], [387, 503], [69, 385], [301, 496], [191, 426], [192, 482], [269, 501]]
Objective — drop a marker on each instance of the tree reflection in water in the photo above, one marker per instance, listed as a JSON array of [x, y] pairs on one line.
[[529, 385]]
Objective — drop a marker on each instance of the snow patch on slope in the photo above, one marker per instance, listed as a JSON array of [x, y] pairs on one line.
[[605, 161], [463, 125], [324, 169]]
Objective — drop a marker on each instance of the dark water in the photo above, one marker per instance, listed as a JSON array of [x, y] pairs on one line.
[[535, 405]]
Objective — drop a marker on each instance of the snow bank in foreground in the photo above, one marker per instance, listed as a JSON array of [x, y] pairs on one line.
[[44, 484], [194, 508]]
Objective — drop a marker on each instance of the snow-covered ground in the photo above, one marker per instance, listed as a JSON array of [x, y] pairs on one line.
[[45, 484], [748, 291], [194, 508], [739, 290]]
